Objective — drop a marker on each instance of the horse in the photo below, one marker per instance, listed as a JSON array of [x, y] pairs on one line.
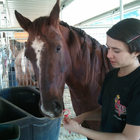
[[63, 54], [23, 68]]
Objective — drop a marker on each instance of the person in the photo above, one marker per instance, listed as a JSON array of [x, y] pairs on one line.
[[120, 94]]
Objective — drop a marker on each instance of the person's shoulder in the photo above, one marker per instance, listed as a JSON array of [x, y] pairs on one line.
[[136, 73], [135, 79]]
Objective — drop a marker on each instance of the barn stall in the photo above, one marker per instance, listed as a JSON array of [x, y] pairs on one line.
[[13, 38]]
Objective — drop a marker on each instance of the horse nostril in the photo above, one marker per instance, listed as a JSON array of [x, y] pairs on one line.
[[57, 107]]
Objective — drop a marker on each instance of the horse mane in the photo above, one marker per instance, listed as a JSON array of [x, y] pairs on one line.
[[81, 32]]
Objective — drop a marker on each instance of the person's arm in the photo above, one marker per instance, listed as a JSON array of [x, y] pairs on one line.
[[130, 132], [92, 115]]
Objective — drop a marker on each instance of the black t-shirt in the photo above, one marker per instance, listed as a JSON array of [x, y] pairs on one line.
[[120, 100]]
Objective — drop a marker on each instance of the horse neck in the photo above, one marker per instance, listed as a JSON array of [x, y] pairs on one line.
[[74, 43]]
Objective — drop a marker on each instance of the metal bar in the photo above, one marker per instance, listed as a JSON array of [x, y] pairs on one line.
[[83, 27], [1, 6], [121, 9], [66, 3], [10, 29], [95, 26], [0, 19], [8, 13]]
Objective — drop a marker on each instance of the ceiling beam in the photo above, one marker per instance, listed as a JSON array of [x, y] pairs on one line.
[[7, 12], [127, 7], [65, 4]]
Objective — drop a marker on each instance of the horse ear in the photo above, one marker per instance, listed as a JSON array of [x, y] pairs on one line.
[[23, 21], [54, 15]]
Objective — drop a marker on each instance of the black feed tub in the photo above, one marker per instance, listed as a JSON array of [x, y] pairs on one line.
[[19, 105]]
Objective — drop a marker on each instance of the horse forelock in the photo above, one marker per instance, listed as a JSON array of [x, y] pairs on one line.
[[38, 25]]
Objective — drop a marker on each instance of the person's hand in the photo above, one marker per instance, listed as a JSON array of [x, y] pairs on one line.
[[71, 125], [79, 119]]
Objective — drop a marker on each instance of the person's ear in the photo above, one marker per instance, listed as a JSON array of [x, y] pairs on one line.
[[137, 54]]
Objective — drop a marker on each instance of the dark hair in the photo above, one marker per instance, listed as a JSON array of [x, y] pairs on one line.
[[127, 31]]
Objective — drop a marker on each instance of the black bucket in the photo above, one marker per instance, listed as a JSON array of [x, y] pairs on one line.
[[19, 105]]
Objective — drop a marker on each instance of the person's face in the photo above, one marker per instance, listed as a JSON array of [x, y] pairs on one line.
[[118, 53]]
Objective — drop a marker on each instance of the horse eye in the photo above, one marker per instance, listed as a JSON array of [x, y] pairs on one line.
[[58, 49], [27, 58]]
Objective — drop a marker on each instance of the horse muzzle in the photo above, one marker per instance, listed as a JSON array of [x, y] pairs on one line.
[[54, 111]]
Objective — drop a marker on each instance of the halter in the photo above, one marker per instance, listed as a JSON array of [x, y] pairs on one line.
[[66, 115]]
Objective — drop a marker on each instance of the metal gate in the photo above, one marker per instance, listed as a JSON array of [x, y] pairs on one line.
[[10, 46]]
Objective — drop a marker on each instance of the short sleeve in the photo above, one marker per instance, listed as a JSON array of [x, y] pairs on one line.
[[133, 110]]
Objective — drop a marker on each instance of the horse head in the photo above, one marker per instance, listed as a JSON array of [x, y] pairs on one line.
[[48, 52], [16, 47]]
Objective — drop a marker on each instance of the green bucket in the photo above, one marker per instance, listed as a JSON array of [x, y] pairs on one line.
[[9, 132]]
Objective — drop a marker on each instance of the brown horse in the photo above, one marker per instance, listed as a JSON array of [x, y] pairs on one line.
[[23, 68], [63, 54]]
